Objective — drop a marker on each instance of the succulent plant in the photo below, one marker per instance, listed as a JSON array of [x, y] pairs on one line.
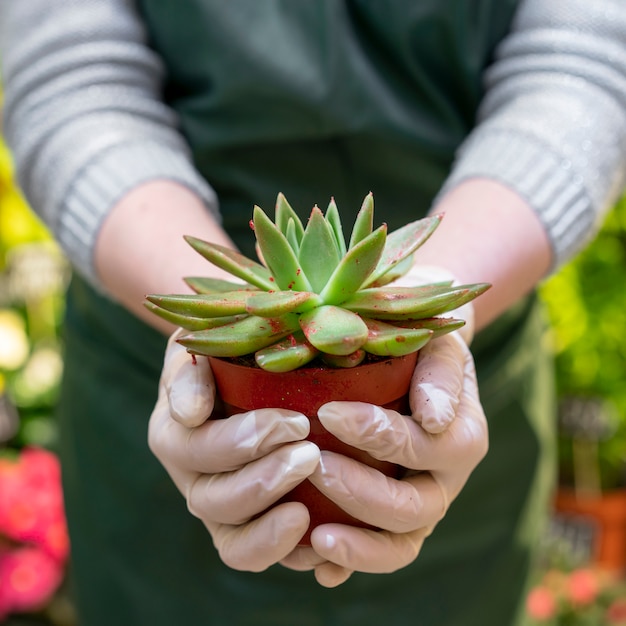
[[313, 295]]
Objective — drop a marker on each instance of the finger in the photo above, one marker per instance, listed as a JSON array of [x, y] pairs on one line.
[[189, 385], [389, 436], [366, 494], [235, 497], [302, 559], [367, 551], [162, 430], [437, 383], [327, 574], [257, 545], [331, 575], [224, 445], [468, 437]]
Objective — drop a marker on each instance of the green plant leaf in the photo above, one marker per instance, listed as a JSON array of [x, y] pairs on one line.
[[439, 325], [355, 267], [395, 272], [286, 355], [278, 254], [205, 284], [275, 303], [284, 213], [388, 340], [243, 337], [292, 237], [343, 361], [203, 305], [402, 243], [318, 254], [398, 303], [188, 322], [334, 330], [234, 263], [333, 218], [364, 222]]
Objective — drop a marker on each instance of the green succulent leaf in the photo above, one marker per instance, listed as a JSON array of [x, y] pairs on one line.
[[364, 222], [205, 284], [283, 214], [393, 273], [355, 267], [189, 322], [334, 330], [348, 360], [292, 237], [233, 262], [401, 244], [242, 337], [203, 305], [439, 325], [278, 254], [388, 340], [333, 218], [398, 303], [275, 303], [286, 355], [318, 254]]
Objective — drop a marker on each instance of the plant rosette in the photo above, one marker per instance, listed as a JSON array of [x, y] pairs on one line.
[[317, 319]]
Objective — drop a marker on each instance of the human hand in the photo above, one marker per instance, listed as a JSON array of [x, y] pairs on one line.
[[440, 444], [231, 471]]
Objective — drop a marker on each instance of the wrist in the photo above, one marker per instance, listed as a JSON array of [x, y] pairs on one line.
[[140, 247], [489, 234]]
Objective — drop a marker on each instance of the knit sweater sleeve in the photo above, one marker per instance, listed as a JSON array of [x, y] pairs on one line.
[[83, 115], [552, 125]]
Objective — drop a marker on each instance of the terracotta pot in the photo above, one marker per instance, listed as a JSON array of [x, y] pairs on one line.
[[386, 383], [606, 513]]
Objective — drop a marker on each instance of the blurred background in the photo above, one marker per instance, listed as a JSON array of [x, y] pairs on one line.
[[586, 301]]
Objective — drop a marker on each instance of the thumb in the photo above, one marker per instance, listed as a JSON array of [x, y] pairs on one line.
[[437, 382], [188, 384]]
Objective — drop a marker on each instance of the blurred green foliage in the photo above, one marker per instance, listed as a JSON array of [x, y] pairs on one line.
[[33, 275], [587, 305]]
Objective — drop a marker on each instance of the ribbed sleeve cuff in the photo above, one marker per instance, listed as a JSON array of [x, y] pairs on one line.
[[544, 179], [104, 181]]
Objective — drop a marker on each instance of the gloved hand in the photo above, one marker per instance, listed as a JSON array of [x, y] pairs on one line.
[[231, 470], [440, 443]]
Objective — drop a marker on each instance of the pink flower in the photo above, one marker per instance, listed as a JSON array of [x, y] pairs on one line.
[[31, 509], [616, 613], [540, 603], [28, 579], [583, 587]]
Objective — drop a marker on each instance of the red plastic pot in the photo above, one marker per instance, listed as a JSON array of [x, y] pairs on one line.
[[606, 513], [385, 383]]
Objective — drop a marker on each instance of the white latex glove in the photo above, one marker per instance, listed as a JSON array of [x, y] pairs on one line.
[[231, 470], [440, 443]]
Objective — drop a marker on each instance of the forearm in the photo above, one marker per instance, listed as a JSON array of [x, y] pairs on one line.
[[140, 248]]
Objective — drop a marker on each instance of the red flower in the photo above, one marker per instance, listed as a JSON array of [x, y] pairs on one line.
[[616, 613], [31, 509], [28, 579], [540, 603], [583, 587]]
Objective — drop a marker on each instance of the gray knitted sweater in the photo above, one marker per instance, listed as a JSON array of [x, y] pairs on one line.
[[85, 122]]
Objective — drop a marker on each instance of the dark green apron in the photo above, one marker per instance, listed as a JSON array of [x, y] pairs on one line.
[[313, 98]]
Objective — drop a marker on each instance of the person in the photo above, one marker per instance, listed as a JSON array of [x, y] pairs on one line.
[[134, 123]]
